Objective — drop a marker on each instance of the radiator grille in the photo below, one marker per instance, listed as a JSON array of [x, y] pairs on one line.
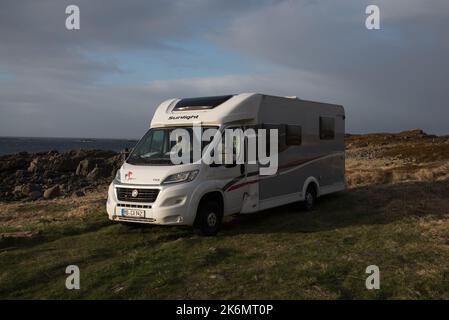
[[137, 195], [138, 206]]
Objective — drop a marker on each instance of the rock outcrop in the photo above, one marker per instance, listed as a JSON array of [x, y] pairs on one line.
[[26, 176]]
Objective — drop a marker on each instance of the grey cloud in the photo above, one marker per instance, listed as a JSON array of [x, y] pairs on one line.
[[53, 84], [33, 34], [391, 79]]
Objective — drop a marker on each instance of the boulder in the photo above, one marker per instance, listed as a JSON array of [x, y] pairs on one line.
[[17, 190], [84, 167], [63, 163], [52, 192], [16, 162], [95, 174], [20, 173], [100, 171], [34, 195], [34, 166], [29, 188], [28, 175]]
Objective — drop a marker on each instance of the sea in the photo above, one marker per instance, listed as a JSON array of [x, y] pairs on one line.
[[12, 145]]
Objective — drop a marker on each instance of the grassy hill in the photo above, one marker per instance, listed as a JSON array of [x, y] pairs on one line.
[[395, 215]]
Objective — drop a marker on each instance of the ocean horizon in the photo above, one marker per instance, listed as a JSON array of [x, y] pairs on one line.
[[14, 145]]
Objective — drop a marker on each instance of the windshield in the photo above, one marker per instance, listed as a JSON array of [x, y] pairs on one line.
[[155, 146]]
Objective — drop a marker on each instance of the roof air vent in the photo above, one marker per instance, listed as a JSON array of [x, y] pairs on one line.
[[201, 103]]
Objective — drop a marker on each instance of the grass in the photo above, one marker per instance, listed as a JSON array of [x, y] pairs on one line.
[[284, 253]]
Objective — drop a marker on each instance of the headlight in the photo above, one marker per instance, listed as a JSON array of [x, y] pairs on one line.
[[181, 177], [117, 176]]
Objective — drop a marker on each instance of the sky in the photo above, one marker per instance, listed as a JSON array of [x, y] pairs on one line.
[[106, 79]]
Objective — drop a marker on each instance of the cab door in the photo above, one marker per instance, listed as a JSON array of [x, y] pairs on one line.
[[231, 178]]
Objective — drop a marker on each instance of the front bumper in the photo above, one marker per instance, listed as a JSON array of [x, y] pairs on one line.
[[173, 205]]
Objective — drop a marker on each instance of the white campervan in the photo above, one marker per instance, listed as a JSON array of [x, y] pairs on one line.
[[149, 188]]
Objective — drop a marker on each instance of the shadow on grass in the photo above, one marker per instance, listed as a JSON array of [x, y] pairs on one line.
[[54, 233], [375, 204]]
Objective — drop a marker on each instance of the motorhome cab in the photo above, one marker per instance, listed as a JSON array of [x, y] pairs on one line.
[[149, 188]]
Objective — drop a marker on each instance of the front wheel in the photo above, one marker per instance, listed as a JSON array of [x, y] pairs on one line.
[[208, 218]]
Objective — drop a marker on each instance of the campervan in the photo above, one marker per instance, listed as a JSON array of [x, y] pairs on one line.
[[150, 188]]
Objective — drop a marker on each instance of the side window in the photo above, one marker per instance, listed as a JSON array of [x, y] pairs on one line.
[[282, 137], [327, 128], [294, 135], [282, 131]]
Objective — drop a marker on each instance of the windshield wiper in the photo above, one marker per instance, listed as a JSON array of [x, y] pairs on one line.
[[143, 160], [158, 160]]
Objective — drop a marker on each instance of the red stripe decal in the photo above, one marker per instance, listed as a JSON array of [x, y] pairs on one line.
[[239, 185]]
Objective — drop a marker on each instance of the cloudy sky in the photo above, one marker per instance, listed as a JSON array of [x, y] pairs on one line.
[[106, 79]]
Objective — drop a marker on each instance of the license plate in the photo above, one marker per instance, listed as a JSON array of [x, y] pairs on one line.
[[136, 213]]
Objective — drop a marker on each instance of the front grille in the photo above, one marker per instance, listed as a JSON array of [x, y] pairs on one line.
[[138, 206], [143, 195]]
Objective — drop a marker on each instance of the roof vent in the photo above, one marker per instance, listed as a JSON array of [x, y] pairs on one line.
[[201, 103]]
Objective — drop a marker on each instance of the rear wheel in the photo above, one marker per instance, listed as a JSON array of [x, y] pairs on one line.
[[310, 197], [208, 218]]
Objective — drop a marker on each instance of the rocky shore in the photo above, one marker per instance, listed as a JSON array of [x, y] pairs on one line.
[[370, 158], [46, 175]]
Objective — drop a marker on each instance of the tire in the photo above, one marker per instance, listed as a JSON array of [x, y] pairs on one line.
[[309, 198], [208, 218]]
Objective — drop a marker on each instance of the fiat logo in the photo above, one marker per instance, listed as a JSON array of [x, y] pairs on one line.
[[135, 193]]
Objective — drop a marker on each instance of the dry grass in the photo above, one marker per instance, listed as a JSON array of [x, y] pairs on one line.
[[383, 171], [27, 215], [394, 158]]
